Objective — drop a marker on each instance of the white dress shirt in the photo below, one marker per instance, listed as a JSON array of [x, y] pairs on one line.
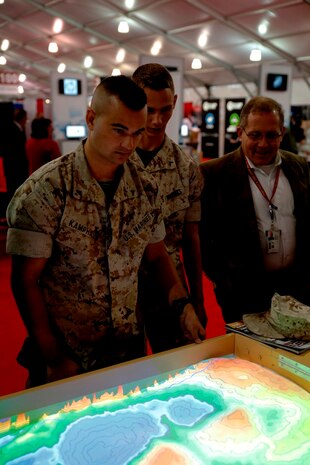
[[284, 219]]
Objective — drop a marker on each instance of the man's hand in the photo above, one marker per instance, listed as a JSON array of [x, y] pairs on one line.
[[191, 326], [65, 368]]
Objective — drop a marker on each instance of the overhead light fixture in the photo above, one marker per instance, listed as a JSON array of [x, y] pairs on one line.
[[156, 47], [116, 72], [58, 25], [93, 40], [196, 63], [2, 60], [61, 67], [20, 89], [129, 4], [263, 27], [202, 40], [255, 55], [22, 77], [88, 61], [52, 47], [5, 45], [123, 27], [120, 56]]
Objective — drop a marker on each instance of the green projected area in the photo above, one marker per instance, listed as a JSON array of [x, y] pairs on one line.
[[220, 411]]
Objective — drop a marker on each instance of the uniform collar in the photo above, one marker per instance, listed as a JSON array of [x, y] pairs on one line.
[[164, 158], [85, 185]]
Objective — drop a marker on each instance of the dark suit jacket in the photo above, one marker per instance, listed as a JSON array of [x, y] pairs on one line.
[[230, 245], [14, 158]]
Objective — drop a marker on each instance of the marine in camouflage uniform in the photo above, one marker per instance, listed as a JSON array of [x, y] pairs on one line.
[[94, 250], [180, 182], [78, 228]]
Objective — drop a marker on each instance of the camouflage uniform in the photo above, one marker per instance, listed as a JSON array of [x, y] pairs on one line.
[[90, 279], [180, 183]]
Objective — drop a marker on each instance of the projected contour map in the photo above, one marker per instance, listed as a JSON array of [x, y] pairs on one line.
[[221, 411]]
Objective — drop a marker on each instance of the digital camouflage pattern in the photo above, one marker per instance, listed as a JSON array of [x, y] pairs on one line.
[[90, 280]]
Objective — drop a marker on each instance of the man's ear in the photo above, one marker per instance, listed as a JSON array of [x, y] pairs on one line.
[[239, 132], [175, 98], [90, 117]]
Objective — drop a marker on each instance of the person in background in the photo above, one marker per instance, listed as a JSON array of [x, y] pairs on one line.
[[297, 129], [40, 147], [14, 149], [288, 142], [20, 120], [78, 228], [232, 142], [6, 118], [180, 183], [255, 217]]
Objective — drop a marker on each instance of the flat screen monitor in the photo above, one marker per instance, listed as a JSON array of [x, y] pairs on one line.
[[75, 131], [70, 86], [276, 82]]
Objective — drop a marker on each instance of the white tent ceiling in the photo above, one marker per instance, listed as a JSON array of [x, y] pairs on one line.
[[90, 28]]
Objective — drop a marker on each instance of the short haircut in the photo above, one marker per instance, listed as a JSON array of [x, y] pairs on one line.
[[39, 128], [261, 105], [153, 76], [122, 87]]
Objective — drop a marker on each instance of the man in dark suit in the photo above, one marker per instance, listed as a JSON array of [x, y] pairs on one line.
[[255, 217], [14, 149]]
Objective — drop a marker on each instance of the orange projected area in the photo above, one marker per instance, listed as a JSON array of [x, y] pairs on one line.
[[225, 411]]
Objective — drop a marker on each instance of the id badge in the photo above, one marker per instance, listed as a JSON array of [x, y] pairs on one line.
[[273, 240]]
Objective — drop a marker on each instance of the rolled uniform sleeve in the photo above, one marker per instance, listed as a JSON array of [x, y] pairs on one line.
[[193, 213], [159, 233], [32, 217], [31, 244]]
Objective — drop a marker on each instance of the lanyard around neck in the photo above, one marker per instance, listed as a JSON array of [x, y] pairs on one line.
[[255, 179]]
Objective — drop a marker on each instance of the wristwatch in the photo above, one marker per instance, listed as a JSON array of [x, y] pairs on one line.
[[179, 304]]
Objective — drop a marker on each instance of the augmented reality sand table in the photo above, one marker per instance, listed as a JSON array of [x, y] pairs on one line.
[[219, 411]]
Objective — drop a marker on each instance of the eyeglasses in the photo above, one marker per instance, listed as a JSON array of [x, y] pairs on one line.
[[256, 136]]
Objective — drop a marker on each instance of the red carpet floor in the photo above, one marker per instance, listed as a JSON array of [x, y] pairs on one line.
[[12, 331], [12, 334]]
